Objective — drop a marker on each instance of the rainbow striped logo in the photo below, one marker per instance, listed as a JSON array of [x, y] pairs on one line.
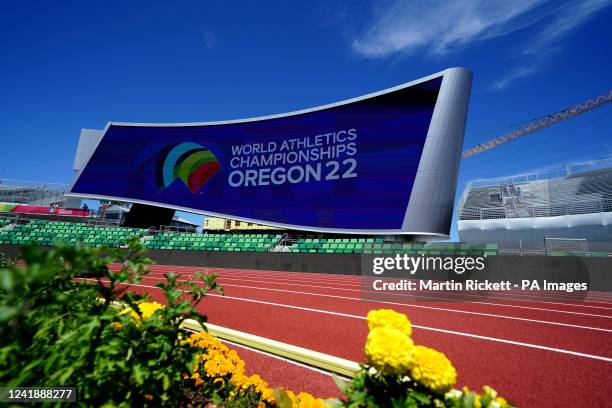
[[190, 162]]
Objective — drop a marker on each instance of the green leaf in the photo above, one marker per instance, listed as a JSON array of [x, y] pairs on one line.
[[137, 374], [419, 396], [282, 398]]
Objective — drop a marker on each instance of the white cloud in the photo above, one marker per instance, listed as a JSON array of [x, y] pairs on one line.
[[564, 19], [512, 76], [440, 25], [568, 17]]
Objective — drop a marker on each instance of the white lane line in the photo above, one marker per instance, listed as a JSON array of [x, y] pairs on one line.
[[495, 339], [424, 307], [592, 294], [447, 300], [457, 333], [329, 278], [340, 278], [354, 282], [409, 305], [398, 294], [540, 297], [521, 296]]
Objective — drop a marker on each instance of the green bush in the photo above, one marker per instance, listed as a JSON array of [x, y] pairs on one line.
[[61, 331]]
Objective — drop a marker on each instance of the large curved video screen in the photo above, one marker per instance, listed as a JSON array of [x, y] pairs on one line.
[[348, 166]]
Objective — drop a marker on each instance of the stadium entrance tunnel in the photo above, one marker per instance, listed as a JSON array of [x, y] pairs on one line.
[[145, 216]]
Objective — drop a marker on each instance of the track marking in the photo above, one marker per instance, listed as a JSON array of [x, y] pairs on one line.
[[398, 294], [495, 339], [531, 298], [457, 333], [447, 300], [335, 278], [424, 307], [359, 282]]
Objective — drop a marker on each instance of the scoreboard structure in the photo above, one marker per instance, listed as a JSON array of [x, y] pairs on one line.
[[383, 163]]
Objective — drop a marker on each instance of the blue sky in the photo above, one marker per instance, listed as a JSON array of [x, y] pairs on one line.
[[67, 65]]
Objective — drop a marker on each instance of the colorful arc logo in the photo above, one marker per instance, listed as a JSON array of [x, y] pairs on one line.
[[190, 162]]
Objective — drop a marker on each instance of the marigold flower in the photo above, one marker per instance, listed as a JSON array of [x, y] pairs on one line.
[[258, 383], [433, 369], [389, 318], [147, 310], [306, 400], [389, 350], [495, 401], [218, 363], [499, 402]]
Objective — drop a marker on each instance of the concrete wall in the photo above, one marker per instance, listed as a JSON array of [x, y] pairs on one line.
[[596, 271]]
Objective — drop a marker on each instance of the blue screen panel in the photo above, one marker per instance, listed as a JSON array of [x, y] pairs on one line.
[[346, 167]]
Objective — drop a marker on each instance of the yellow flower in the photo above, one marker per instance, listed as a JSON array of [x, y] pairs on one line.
[[218, 363], [432, 369], [495, 400], [389, 318], [148, 397], [261, 386], [499, 402], [389, 350], [304, 400], [486, 390], [147, 310], [308, 401]]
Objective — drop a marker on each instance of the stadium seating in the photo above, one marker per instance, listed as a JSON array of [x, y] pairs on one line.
[[378, 246], [335, 245], [577, 193], [212, 242], [48, 233]]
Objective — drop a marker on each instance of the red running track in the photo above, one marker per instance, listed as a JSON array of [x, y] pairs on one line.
[[538, 350]]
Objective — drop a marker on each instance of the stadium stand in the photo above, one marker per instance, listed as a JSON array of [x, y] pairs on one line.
[[580, 193], [13, 232], [212, 242], [378, 246], [32, 193], [49, 233], [522, 212]]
